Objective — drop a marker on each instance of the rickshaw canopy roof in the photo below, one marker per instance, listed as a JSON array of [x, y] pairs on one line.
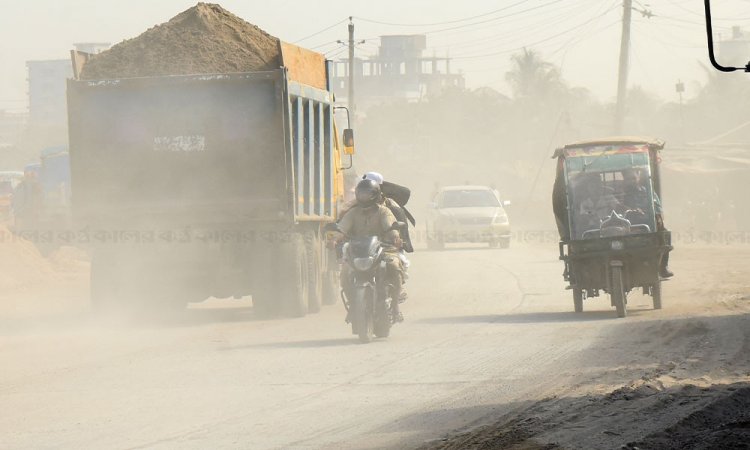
[[652, 143]]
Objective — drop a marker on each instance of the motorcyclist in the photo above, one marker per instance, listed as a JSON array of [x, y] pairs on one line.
[[399, 211], [369, 217]]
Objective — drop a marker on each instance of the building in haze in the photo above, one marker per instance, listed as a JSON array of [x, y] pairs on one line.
[[47, 102], [47, 84], [735, 51], [399, 70]]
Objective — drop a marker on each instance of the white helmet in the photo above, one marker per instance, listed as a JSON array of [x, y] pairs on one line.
[[374, 176]]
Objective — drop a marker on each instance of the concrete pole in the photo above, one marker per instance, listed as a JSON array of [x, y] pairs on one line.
[[350, 95], [622, 79]]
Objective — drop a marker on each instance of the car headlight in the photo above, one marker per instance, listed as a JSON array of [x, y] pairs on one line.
[[500, 219], [363, 264], [617, 245]]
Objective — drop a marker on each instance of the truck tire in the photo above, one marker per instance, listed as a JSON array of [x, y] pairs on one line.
[[331, 287], [293, 277], [265, 279], [314, 273], [618, 292]]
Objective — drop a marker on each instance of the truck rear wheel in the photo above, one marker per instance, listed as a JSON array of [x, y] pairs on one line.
[[331, 287], [314, 273], [293, 277], [265, 279]]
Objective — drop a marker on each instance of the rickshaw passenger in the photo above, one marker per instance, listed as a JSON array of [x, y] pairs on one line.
[[636, 198], [595, 201]]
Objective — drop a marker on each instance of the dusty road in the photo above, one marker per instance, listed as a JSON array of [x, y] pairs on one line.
[[487, 334]]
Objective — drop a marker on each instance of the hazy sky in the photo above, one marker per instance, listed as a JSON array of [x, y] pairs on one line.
[[580, 36]]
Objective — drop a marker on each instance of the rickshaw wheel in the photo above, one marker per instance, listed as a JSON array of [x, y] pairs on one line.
[[578, 300], [656, 294], [618, 292]]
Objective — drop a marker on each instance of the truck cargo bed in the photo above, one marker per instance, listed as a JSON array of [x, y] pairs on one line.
[[192, 150]]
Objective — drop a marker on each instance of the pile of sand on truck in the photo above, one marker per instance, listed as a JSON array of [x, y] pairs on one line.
[[201, 40]]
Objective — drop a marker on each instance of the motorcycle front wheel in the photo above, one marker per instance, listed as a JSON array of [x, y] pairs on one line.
[[362, 324]]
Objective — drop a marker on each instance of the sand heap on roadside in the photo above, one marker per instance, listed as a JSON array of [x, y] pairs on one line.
[[21, 265], [203, 39]]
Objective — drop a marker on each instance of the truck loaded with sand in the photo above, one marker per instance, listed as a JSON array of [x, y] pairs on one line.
[[205, 161]]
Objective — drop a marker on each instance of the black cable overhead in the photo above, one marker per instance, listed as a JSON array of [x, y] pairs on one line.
[[449, 22], [321, 31]]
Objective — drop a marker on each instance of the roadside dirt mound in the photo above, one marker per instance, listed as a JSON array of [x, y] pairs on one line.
[[21, 265], [723, 424], [719, 419], [203, 39]]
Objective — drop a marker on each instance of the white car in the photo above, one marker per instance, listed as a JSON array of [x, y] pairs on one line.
[[468, 214]]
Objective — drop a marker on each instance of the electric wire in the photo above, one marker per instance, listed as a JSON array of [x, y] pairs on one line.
[[494, 18], [532, 44], [321, 31], [450, 22], [514, 34]]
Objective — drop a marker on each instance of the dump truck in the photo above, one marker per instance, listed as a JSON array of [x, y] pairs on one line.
[[214, 185]]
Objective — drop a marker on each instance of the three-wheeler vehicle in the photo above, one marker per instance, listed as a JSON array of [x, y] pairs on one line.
[[606, 200]]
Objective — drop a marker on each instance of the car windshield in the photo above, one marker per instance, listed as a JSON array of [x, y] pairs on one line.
[[620, 183], [468, 199]]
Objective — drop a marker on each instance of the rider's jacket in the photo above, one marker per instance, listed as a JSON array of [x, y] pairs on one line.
[[375, 220]]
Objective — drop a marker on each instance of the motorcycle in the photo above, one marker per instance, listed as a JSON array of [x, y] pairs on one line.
[[368, 296]]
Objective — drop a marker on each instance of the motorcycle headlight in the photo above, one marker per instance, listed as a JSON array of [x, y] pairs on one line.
[[617, 245], [363, 264]]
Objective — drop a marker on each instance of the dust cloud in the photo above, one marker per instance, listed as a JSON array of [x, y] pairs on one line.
[[121, 339], [506, 140]]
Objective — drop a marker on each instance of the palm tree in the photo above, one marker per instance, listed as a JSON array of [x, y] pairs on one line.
[[531, 76]]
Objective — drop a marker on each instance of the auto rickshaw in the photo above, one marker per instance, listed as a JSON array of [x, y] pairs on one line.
[[608, 210]]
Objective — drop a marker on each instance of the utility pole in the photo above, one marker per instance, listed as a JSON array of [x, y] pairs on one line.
[[622, 79], [351, 43], [350, 95]]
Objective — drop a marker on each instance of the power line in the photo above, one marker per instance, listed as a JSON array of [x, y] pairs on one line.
[[494, 18], [321, 31], [489, 13], [662, 34], [701, 14], [563, 8], [575, 40], [336, 51], [539, 41], [674, 19], [324, 45], [513, 34]]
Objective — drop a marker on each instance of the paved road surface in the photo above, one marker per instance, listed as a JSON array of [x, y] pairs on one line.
[[486, 332]]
